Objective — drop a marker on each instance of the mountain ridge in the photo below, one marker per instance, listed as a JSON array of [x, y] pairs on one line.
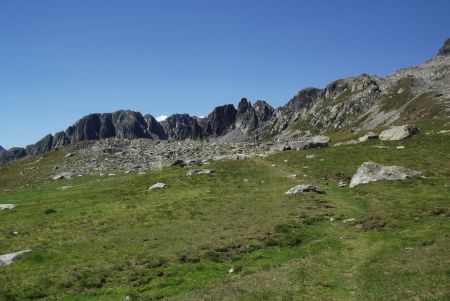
[[361, 102]]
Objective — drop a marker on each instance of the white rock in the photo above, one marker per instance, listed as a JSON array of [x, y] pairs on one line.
[[303, 188], [368, 136], [371, 171], [399, 132], [199, 172], [7, 259], [158, 186], [7, 206], [61, 176]]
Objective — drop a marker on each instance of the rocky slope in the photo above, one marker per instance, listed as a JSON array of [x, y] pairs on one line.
[[361, 102], [2, 149]]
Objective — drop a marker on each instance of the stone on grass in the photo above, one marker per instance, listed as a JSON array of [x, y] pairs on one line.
[[158, 186], [303, 188], [346, 143], [7, 259], [368, 136], [399, 132], [311, 156], [62, 176], [314, 142], [199, 172], [7, 206], [371, 171]]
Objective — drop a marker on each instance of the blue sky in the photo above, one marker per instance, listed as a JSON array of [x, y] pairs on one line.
[[60, 60]]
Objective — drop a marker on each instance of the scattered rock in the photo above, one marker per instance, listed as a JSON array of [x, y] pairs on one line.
[[400, 147], [314, 142], [311, 156], [199, 172], [399, 132], [303, 188], [342, 184], [62, 176], [158, 186], [7, 259], [7, 206], [443, 131], [371, 171], [346, 143], [69, 155]]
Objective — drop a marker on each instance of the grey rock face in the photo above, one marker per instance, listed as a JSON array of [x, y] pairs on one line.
[[181, 127], [220, 120], [445, 50], [42, 146], [399, 132], [13, 154], [303, 188], [371, 171], [2, 150], [60, 139], [246, 119], [263, 110], [154, 128]]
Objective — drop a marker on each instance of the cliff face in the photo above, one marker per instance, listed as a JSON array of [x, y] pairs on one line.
[[363, 101]]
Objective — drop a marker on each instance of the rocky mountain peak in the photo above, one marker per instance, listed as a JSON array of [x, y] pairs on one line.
[[445, 50]]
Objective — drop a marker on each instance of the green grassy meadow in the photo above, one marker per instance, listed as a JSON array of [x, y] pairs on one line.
[[105, 238]]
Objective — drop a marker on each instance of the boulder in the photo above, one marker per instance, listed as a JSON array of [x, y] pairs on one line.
[[368, 136], [303, 188], [199, 172], [371, 171], [7, 259], [314, 142], [399, 132], [158, 186], [7, 206]]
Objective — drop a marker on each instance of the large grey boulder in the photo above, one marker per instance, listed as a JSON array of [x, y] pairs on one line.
[[7, 259], [371, 171], [314, 142], [398, 132], [303, 188]]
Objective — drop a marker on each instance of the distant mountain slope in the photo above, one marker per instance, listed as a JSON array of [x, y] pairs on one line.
[[2, 149], [363, 101]]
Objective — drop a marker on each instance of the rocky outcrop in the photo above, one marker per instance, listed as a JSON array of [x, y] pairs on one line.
[[13, 154], [247, 119], [154, 128], [42, 146], [220, 120], [8, 259], [445, 50], [371, 171], [363, 102], [181, 127], [399, 132]]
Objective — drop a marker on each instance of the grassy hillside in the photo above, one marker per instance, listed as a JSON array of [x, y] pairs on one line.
[[104, 238]]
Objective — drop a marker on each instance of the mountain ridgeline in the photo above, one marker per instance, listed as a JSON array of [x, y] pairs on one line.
[[361, 102]]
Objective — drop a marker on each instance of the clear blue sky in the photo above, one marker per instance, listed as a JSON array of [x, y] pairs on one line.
[[60, 60]]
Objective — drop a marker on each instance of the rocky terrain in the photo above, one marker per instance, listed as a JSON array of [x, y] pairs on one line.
[[2, 149], [355, 103]]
